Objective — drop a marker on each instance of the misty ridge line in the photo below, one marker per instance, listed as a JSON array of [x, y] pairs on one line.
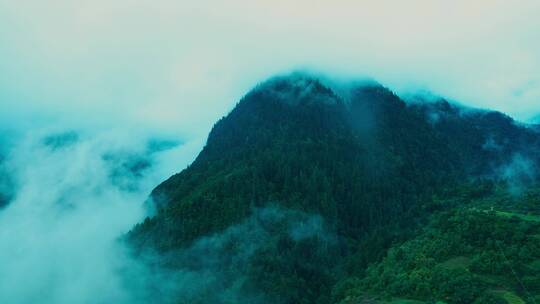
[[298, 84]]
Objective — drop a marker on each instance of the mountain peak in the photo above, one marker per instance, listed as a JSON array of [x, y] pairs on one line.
[[297, 89]]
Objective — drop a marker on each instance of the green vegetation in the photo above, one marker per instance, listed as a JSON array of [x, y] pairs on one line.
[[461, 256], [417, 208]]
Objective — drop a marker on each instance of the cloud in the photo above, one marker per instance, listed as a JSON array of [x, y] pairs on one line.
[[182, 64], [75, 194], [518, 173]]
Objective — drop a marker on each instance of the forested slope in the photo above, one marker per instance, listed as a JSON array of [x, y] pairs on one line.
[[369, 164]]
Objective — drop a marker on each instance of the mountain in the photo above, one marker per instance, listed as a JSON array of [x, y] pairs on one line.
[[372, 167]]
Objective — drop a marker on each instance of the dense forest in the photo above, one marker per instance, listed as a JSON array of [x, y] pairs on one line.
[[484, 250], [352, 196]]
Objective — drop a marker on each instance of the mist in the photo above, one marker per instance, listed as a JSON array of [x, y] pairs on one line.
[[223, 267], [101, 100], [73, 195]]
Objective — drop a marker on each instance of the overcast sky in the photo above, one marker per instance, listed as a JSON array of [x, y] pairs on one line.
[[177, 66]]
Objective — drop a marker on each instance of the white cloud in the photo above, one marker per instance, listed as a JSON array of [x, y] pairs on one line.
[[182, 64], [58, 236]]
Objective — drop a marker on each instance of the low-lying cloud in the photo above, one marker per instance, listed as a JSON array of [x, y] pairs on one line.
[[74, 195]]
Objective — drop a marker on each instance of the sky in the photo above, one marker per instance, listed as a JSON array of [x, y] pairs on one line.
[[177, 66], [121, 73]]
